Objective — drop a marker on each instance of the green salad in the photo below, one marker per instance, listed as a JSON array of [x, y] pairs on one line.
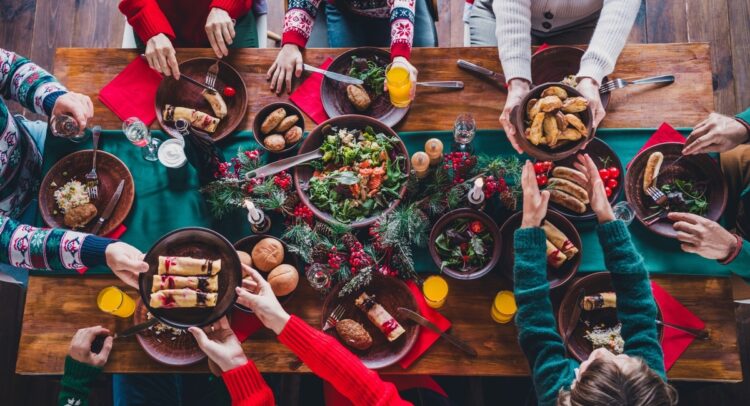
[[359, 174], [465, 246]]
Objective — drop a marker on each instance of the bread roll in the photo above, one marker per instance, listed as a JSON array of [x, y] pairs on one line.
[[272, 120], [567, 201], [286, 123], [275, 142], [652, 170], [267, 254], [245, 258], [283, 279]]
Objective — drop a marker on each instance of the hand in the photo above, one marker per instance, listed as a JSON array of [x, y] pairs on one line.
[[76, 105], [80, 346], [595, 188], [220, 31], [126, 262], [717, 133], [257, 295], [220, 345], [534, 203], [589, 88], [288, 62], [517, 90], [413, 73], [702, 236], [161, 56]]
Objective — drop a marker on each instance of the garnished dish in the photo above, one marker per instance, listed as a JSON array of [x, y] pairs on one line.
[[278, 127], [683, 195], [554, 118], [185, 282], [465, 245], [601, 335], [372, 72], [380, 317], [73, 201]]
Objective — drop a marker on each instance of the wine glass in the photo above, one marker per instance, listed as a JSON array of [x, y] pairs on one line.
[[624, 211], [319, 276], [65, 126], [464, 130], [137, 133]]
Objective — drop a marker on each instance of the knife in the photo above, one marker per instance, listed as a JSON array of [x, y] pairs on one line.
[[333, 75], [499, 79], [284, 164], [98, 343], [661, 170], [412, 315], [109, 209]]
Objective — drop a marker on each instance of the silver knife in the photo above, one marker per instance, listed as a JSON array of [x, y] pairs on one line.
[[335, 76], [98, 343], [492, 75], [109, 209], [412, 315], [284, 164]]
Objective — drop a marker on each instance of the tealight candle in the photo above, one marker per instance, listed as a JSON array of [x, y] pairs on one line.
[[420, 162], [435, 291], [504, 307], [434, 149]]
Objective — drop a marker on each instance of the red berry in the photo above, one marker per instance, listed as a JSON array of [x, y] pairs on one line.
[[608, 191], [538, 167], [541, 179], [614, 172], [604, 173], [547, 165], [229, 91], [612, 183]]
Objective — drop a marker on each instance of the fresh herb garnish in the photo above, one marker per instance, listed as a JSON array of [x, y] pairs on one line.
[[370, 72], [685, 195]]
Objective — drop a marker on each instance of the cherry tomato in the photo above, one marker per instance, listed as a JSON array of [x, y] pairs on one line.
[[547, 165], [614, 172], [541, 179], [608, 191], [612, 183], [229, 91], [604, 173], [538, 167]]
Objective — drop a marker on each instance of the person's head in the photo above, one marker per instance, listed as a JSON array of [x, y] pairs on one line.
[[617, 380]]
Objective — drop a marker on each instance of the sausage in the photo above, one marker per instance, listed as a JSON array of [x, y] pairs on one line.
[[652, 170], [569, 188], [570, 174], [567, 201]]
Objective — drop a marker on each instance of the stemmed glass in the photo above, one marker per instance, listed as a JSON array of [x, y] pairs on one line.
[[137, 133], [624, 211], [464, 130]]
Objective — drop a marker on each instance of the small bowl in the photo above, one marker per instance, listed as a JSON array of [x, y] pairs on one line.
[[518, 118], [472, 214], [246, 244], [556, 277], [264, 112]]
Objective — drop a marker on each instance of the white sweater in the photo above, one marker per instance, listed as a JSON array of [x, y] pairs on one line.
[[516, 18]]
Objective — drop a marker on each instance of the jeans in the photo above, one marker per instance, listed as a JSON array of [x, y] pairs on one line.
[[168, 390], [346, 30], [246, 34]]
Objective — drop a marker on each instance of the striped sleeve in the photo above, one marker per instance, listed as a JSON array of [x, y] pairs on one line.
[[28, 84], [298, 22], [402, 28]]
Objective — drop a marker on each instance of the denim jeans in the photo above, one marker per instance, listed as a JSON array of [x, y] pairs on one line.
[[168, 390], [346, 30]]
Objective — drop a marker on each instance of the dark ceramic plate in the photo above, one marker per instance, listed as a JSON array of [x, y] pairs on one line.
[[264, 112], [578, 346], [697, 168], [556, 277], [391, 293], [166, 348], [333, 93], [75, 166], [194, 242], [557, 62]]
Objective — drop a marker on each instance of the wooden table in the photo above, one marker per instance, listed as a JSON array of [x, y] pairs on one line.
[[57, 306]]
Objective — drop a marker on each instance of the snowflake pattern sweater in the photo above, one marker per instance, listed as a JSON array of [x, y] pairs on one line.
[[300, 17]]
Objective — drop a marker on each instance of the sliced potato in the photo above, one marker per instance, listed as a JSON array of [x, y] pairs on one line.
[[551, 132], [535, 135], [555, 91], [576, 122], [550, 103], [574, 105]]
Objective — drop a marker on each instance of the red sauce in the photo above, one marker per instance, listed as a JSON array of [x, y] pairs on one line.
[[389, 326], [167, 300], [168, 262]]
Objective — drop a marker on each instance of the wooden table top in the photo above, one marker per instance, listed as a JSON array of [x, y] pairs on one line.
[[682, 104]]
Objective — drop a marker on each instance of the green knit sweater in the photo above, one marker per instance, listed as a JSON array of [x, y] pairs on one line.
[[537, 331], [76, 383]]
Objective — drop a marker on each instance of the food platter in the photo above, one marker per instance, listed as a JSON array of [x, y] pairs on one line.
[[74, 167], [292, 134], [334, 93], [391, 293], [181, 93], [699, 170], [163, 345]]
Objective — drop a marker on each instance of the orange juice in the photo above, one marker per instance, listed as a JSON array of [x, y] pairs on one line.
[[113, 300], [503, 307], [435, 290], [399, 85]]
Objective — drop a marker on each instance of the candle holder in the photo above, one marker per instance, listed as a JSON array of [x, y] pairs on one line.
[[476, 194], [259, 223]]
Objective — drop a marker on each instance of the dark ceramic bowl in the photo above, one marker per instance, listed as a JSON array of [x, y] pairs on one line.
[[314, 140], [264, 112], [556, 277], [519, 120], [557, 62], [445, 221]]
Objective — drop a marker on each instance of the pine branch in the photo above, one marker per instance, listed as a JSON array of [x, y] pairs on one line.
[[358, 282]]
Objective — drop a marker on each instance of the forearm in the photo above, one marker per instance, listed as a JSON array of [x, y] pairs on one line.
[[146, 18], [28, 84], [402, 28], [612, 30], [298, 22], [235, 8], [513, 31], [741, 264], [75, 385], [246, 386]]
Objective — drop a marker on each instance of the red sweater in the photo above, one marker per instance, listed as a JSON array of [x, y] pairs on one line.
[[327, 358], [183, 22]]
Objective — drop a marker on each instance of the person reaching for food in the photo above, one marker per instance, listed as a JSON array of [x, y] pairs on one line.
[[83, 366], [635, 377]]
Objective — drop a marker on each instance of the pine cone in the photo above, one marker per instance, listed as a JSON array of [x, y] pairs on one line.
[[508, 200], [320, 253], [349, 240]]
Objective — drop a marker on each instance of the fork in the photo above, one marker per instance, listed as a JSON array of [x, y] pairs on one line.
[[620, 83], [657, 195], [212, 74], [334, 317], [658, 216], [92, 180]]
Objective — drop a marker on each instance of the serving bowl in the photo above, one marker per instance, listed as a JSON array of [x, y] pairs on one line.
[[263, 114]]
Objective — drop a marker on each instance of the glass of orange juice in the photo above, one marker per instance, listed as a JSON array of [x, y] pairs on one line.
[[114, 301], [435, 290], [398, 80]]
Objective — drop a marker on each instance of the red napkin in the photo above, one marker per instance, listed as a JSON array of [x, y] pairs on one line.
[[244, 324], [114, 234], [675, 342], [132, 92], [541, 48], [307, 95], [426, 337], [665, 133]]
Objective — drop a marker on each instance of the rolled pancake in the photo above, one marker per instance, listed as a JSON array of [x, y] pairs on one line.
[[202, 283], [559, 239], [555, 257], [186, 266], [196, 118], [173, 298]]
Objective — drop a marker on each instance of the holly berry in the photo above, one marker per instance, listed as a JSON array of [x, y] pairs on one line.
[[302, 212], [614, 172], [604, 173], [476, 227], [612, 183], [229, 91], [608, 191], [538, 167], [541, 179]]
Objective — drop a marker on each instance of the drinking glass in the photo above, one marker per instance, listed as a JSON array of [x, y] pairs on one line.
[[624, 211], [398, 80], [137, 133], [114, 301], [319, 277], [65, 126], [464, 130]]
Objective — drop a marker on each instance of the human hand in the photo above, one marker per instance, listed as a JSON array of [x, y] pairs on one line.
[[288, 63], [257, 295], [517, 90], [161, 56], [702, 236], [220, 344], [220, 31], [717, 133], [76, 105], [413, 73], [534, 203], [589, 88], [595, 188], [126, 262], [80, 346]]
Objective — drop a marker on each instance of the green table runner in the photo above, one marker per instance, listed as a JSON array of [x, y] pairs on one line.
[[169, 199]]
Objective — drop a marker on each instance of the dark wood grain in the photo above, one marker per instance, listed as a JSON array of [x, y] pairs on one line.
[[666, 21], [739, 28], [639, 32]]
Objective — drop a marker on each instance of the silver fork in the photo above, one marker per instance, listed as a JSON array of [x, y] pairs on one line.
[[92, 180], [620, 83], [334, 317], [212, 74], [657, 195]]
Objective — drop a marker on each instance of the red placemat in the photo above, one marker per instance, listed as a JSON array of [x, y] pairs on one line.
[[132, 92], [674, 342], [307, 95]]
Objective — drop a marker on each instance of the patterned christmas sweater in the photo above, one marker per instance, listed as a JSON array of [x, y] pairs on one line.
[[300, 17]]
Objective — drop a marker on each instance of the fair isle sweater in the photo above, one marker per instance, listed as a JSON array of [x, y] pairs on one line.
[[20, 160], [537, 329], [516, 18], [300, 17]]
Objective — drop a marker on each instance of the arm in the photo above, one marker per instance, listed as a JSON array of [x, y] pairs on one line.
[[146, 18], [75, 385], [636, 308], [402, 28], [235, 8], [28, 84], [741, 264], [247, 387], [329, 360], [298, 22], [612, 29], [513, 32]]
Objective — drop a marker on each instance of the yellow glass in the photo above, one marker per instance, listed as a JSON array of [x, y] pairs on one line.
[[435, 290], [504, 307], [114, 301], [398, 80]]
